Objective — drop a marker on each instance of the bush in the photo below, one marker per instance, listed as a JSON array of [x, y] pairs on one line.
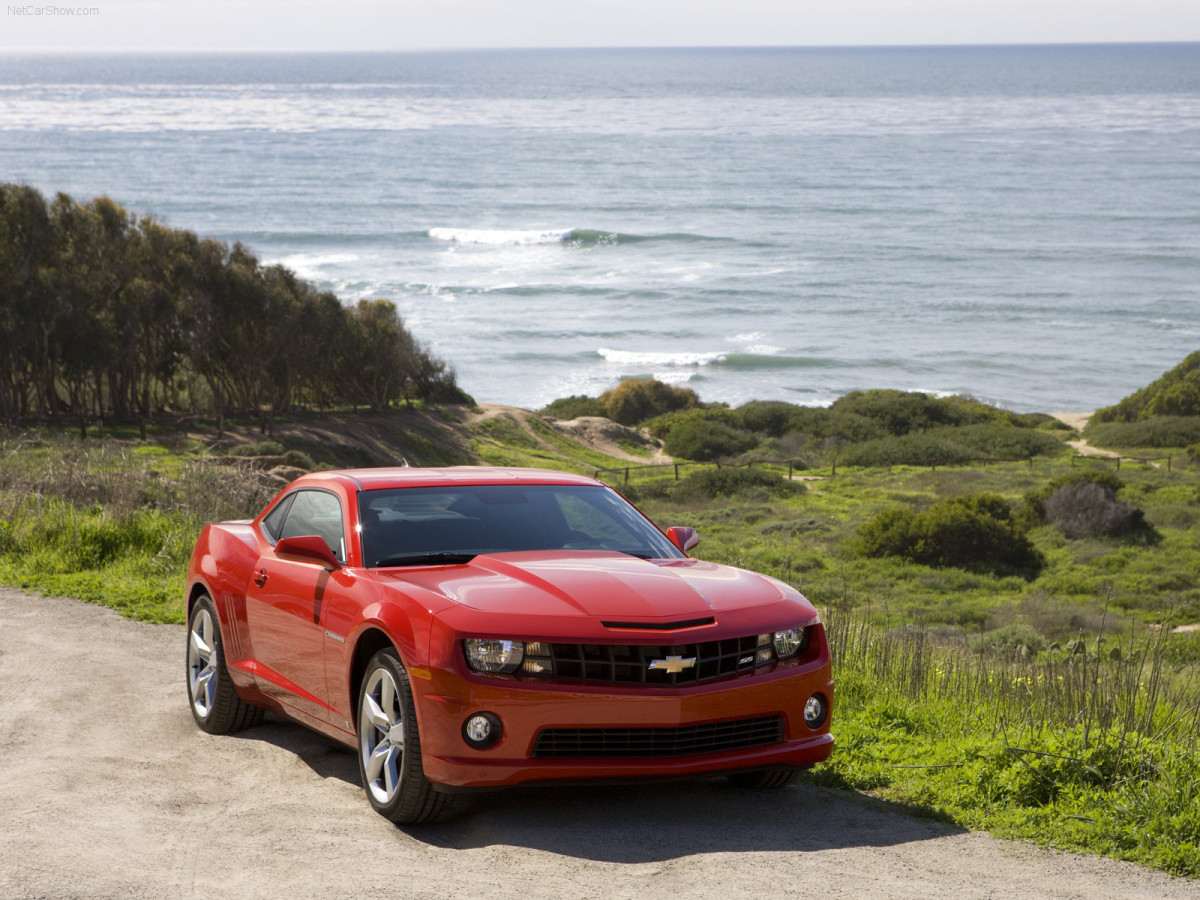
[[773, 418], [706, 441], [1161, 431], [901, 412], [709, 484], [975, 532], [634, 401], [942, 446], [1017, 640], [1033, 513], [1175, 393], [299, 459], [575, 407], [261, 448], [661, 426], [1089, 509]]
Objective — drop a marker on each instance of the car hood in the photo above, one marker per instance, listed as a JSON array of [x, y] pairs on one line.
[[610, 587]]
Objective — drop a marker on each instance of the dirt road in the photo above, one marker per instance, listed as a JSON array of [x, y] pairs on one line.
[[107, 790]]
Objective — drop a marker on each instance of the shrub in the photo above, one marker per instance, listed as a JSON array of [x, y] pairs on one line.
[[942, 446], [661, 426], [574, 407], [975, 532], [709, 484], [901, 412], [1016, 640], [261, 448], [1008, 442], [299, 459], [1160, 431], [1089, 509], [634, 401], [774, 418], [705, 441], [1033, 512], [1175, 393]]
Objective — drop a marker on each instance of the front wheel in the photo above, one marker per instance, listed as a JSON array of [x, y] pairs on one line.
[[389, 746], [216, 707]]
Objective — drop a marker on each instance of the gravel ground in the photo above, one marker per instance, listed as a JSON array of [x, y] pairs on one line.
[[109, 790]]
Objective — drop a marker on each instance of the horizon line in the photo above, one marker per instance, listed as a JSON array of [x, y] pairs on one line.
[[186, 51]]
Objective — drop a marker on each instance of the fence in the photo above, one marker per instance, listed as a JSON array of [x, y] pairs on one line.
[[792, 466], [1096, 457]]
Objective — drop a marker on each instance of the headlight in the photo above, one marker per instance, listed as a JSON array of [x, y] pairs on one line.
[[791, 642], [491, 655]]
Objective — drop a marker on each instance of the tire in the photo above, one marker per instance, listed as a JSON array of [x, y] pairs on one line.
[[215, 705], [771, 779], [389, 746]]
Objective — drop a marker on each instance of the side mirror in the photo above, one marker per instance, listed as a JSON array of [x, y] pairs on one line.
[[683, 536], [308, 547]]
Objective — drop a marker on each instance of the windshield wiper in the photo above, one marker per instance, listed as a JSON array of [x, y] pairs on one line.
[[441, 557]]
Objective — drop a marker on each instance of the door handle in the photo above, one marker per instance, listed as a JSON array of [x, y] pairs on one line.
[[260, 577]]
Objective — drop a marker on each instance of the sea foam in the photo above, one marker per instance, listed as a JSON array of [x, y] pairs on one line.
[[500, 236]]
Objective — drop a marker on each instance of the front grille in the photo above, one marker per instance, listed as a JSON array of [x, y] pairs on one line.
[[631, 663], [643, 743]]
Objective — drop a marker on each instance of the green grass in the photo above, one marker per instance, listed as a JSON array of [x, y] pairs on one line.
[[502, 441], [1075, 750], [1092, 750], [808, 540], [110, 522]]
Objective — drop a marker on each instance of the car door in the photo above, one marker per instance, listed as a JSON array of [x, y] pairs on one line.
[[285, 600]]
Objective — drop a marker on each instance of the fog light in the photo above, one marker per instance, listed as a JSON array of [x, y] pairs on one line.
[[815, 711], [481, 730]]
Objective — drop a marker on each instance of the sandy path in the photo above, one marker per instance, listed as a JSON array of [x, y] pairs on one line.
[[1078, 420], [109, 791]]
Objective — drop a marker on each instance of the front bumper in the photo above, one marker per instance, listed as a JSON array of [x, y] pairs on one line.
[[447, 698]]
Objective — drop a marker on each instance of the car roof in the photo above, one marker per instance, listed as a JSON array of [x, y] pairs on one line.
[[408, 476]]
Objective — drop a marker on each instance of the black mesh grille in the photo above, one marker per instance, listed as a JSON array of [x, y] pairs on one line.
[[656, 664], [641, 743]]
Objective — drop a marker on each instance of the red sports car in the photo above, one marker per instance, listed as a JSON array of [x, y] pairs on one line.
[[474, 627]]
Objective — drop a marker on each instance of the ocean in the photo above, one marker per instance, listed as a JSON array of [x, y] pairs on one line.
[[1020, 224]]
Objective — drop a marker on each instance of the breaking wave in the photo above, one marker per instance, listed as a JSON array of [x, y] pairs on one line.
[[723, 358], [577, 237]]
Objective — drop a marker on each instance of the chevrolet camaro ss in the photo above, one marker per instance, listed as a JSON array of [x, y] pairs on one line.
[[467, 628]]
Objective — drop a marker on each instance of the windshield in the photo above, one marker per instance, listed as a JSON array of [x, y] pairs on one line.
[[417, 526]]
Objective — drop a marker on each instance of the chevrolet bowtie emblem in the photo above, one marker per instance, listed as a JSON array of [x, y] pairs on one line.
[[673, 664]]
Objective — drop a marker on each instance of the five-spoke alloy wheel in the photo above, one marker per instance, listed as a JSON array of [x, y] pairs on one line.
[[216, 707], [389, 745]]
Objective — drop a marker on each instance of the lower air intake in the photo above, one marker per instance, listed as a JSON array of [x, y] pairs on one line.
[[647, 743]]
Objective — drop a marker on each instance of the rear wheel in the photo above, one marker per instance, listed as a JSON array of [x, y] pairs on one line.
[[389, 746], [216, 707]]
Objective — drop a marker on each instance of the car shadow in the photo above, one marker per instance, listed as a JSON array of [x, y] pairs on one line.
[[659, 822], [325, 756], [636, 823]]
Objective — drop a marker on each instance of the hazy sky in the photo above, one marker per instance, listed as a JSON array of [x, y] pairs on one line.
[[430, 24]]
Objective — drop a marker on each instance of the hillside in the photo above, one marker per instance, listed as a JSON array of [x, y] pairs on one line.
[[437, 436]]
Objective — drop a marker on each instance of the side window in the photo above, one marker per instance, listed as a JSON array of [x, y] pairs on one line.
[[319, 513], [274, 520]]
